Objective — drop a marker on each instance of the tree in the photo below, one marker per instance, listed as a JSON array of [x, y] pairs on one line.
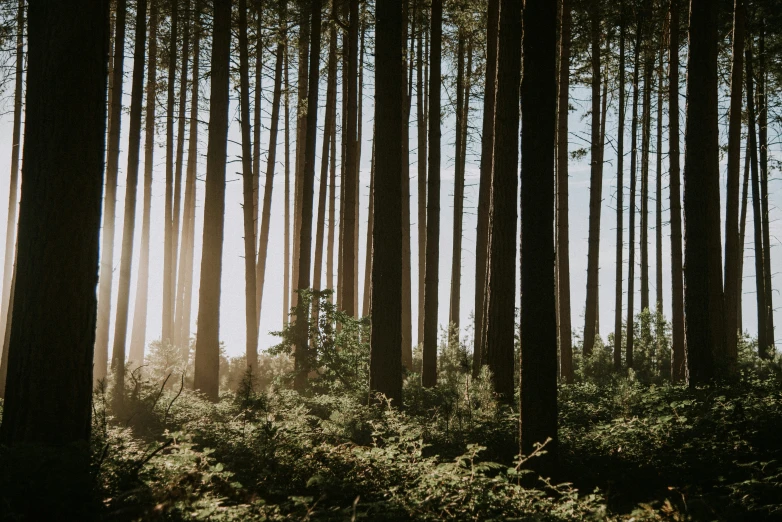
[[422, 93], [308, 181], [47, 411], [732, 194], [13, 188], [658, 227], [620, 140], [762, 96], [702, 254], [595, 188], [110, 198], [646, 138], [139, 332], [407, 312], [498, 322], [538, 333], [129, 222], [678, 373], [385, 365], [249, 196], [484, 188], [207, 350], [429, 370], [287, 204]]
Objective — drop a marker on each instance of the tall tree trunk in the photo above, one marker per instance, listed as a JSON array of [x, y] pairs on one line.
[[350, 181], [139, 332], [7, 335], [620, 159], [729, 361], [185, 279], [538, 333], [207, 351], [249, 200], [421, 129], [458, 192], [678, 370], [286, 293], [407, 312], [367, 304], [307, 189], [129, 221], [646, 135], [110, 200], [658, 225], [595, 190], [301, 136], [49, 388], [257, 116], [633, 179], [169, 271], [703, 253], [332, 213], [13, 187], [763, 147], [760, 277], [329, 127], [499, 318], [359, 121], [742, 236], [271, 164], [385, 363], [429, 370]]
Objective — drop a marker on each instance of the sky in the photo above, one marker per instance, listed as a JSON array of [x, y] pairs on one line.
[[232, 324]]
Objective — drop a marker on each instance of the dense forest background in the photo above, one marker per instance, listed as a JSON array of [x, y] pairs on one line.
[[419, 259]]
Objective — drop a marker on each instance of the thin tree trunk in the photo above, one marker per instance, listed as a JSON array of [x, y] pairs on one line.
[[631, 209], [13, 187], [678, 369], [646, 138], [169, 271], [763, 147], [458, 193], [658, 226], [138, 337], [742, 236], [429, 370], [595, 190], [729, 361], [499, 318], [50, 357], [185, 279], [620, 158], [271, 164], [359, 121], [249, 200], [367, 304], [332, 212], [286, 293], [301, 135], [110, 201], [538, 332], [385, 365], [257, 98], [207, 352], [760, 278], [421, 129], [307, 186], [407, 312], [703, 256]]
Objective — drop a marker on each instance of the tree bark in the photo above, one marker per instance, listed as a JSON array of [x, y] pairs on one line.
[[538, 333], [385, 364], [286, 293], [249, 200], [646, 135], [407, 312], [728, 362], [169, 270], [47, 411], [307, 189], [110, 199], [703, 253], [207, 352], [595, 190], [257, 98], [301, 136], [421, 129], [499, 318], [658, 226], [678, 370], [620, 158], [429, 370], [742, 236], [367, 304], [763, 147], [458, 190]]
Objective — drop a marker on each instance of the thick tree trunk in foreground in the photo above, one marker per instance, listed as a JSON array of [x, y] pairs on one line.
[[429, 370], [678, 370], [728, 363], [249, 200], [307, 189], [207, 352], [129, 221], [538, 404], [484, 188], [499, 318], [385, 364], [47, 410], [595, 191], [703, 252], [110, 199]]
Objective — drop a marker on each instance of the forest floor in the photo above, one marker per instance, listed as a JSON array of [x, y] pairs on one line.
[[628, 450]]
